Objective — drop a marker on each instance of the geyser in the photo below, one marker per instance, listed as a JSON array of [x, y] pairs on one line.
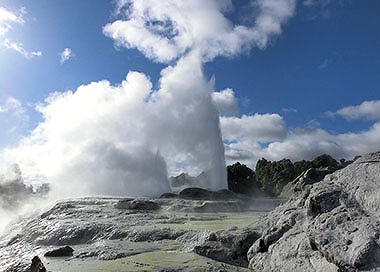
[[125, 139], [120, 140]]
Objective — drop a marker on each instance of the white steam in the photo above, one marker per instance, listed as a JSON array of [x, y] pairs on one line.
[[117, 140], [125, 139]]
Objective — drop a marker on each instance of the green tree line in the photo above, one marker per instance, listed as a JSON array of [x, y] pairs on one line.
[[271, 177]]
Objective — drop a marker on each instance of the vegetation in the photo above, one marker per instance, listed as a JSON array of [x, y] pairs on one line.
[[242, 179], [271, 177]]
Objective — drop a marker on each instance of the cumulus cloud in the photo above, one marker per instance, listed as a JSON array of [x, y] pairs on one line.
[[120, 140], [245, 136], [225, 102], [249, 138], [165, 31], [19, 48], [296, 144], [125, 139], [65, 55], [369, 110], [260, 127]]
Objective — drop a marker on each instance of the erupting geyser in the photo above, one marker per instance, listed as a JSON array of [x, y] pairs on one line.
[[125, 139]]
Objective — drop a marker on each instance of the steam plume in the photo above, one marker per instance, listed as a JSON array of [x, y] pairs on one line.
[[125, 139]]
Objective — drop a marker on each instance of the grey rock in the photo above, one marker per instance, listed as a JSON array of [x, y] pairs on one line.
[[221, 206], [60, 252], [169, 195], [229, 246], [37, 265], [155, 235], [137, 204], [330, 225], [195, 193]]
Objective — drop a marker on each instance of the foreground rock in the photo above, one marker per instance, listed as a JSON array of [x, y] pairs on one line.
[[327, 225], [37, 265], [126, 234], [60, 252]]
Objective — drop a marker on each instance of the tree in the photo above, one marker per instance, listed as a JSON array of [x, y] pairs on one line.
[[302, 166], [325, 160], [241, 179], [273, 176]]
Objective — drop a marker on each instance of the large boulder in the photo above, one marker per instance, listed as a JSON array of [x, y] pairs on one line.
[[60, 252], [137, 204], [229, 246], [331, 225]]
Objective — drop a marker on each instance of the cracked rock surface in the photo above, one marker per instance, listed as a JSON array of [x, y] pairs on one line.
[[330, 225]]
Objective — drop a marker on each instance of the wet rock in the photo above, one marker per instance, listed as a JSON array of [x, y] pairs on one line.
[[60, 252], [155, 235], [68, 234], [195, 193], [221, 206], [228, 246], [225, 194], [37, 265], [169, 269], [169, 195], [137, 204], [59, 207]]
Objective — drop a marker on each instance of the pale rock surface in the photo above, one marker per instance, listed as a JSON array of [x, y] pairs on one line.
[[331, 225]]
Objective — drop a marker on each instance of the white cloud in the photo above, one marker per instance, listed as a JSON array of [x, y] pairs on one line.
[[7, 18], [258, 127], [13, 120], [118, 140], [311, 3], [123, 139], [165, 31], [289, 110], [245, 136], [369, 110], [255, 137], [12, 104], [225, 102], [66, 54], [19, 48]]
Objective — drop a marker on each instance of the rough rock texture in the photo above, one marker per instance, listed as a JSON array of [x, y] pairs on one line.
[[228, 246], [36, 266], [137, 204], [331, 225], [196, 193]]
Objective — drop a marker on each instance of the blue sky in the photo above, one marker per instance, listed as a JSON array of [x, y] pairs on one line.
[[290, 78]]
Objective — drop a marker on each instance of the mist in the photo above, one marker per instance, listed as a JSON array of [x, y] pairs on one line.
[[126, 139]]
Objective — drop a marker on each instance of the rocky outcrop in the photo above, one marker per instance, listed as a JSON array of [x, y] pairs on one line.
[[137, 204], [331, 225], [229, 246], [65, 251], [37, 265]]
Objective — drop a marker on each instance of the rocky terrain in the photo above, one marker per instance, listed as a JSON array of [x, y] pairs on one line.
[[327, 225], [126, 234], [331, 222]]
